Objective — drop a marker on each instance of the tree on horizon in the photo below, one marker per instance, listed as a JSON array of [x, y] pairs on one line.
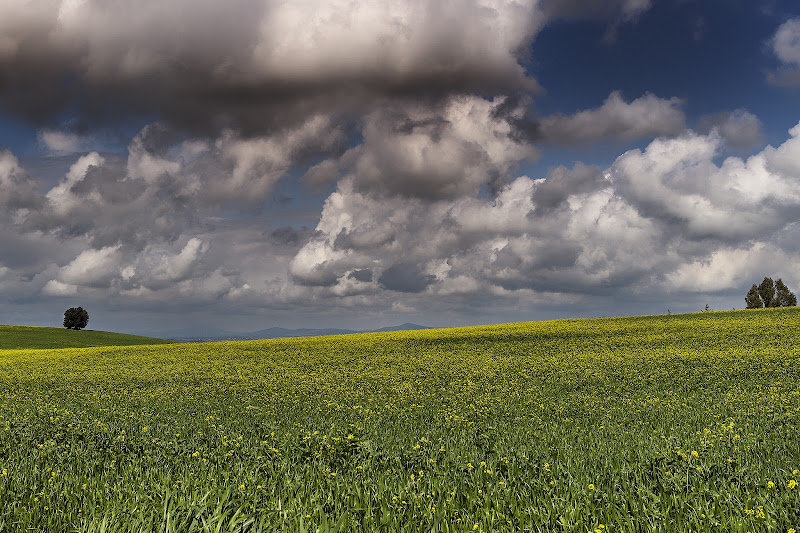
[[767, 292], [770, 294], [753, 300], [76, 318], [785, 297]]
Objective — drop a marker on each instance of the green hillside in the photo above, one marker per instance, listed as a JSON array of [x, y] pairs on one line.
[[681, 423], [30, 337]]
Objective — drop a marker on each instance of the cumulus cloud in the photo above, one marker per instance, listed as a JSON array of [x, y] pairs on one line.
[[676, 181], [174, 268], [165, 185], [18, 193], [739, 129], [64, 198], [650, 220], [662, 219], [431, 152], [58, 288], [730, 267], [647, 116], [786, 46], [253, 66], [254, 165], [178, 275], [417, 115], [93, 267], [60, 142]]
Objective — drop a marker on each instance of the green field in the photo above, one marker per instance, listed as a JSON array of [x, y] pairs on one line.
[[662, 423], [31, 337]]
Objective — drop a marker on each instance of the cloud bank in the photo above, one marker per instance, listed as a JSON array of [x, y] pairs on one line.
[[253, 66], [665, 219]]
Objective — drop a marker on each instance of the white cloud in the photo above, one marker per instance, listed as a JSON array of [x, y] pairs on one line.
[[431, 151], [647, 116], [176, 267], [393, 41], [93, 267], [676, 180], [786, 46], [657, 220], [644, 223], [786, 42], [735, 267], [143, 163], [60, 142], [58, 288], [61, 198], [258, 163]]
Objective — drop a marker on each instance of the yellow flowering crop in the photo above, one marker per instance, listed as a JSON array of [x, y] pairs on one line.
[[514, 427]]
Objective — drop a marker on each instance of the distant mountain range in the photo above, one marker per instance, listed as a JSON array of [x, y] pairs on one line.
[[271, 333]]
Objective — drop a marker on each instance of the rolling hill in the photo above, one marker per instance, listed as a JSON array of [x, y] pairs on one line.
[[34, 337]]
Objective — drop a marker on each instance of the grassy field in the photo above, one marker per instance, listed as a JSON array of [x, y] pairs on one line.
[[30, 337], [664, 423]]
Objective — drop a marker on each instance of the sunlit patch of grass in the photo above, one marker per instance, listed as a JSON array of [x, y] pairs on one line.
[[34, 337], [671, 423]]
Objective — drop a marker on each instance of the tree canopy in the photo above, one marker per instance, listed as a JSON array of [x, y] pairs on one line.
[[785, 297], [76, 318], [753, 300], [770, 294]]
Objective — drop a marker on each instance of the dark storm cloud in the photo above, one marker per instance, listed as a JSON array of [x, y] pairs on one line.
[[251, 66], [405, 277]]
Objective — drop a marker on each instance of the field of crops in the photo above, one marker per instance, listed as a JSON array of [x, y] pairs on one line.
[[670, 423]]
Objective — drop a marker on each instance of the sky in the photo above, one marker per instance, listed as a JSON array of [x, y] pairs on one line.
[[182, 164]]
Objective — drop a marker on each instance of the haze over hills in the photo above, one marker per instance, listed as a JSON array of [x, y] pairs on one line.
[[274, 333]]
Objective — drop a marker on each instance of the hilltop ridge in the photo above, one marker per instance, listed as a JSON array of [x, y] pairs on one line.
[[39, 337]]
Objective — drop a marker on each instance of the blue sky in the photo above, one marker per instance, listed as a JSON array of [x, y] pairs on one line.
[[360, 164]]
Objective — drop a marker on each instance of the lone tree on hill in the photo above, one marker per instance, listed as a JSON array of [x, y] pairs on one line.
[[770, 294], [75, 318], [753, 300]]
